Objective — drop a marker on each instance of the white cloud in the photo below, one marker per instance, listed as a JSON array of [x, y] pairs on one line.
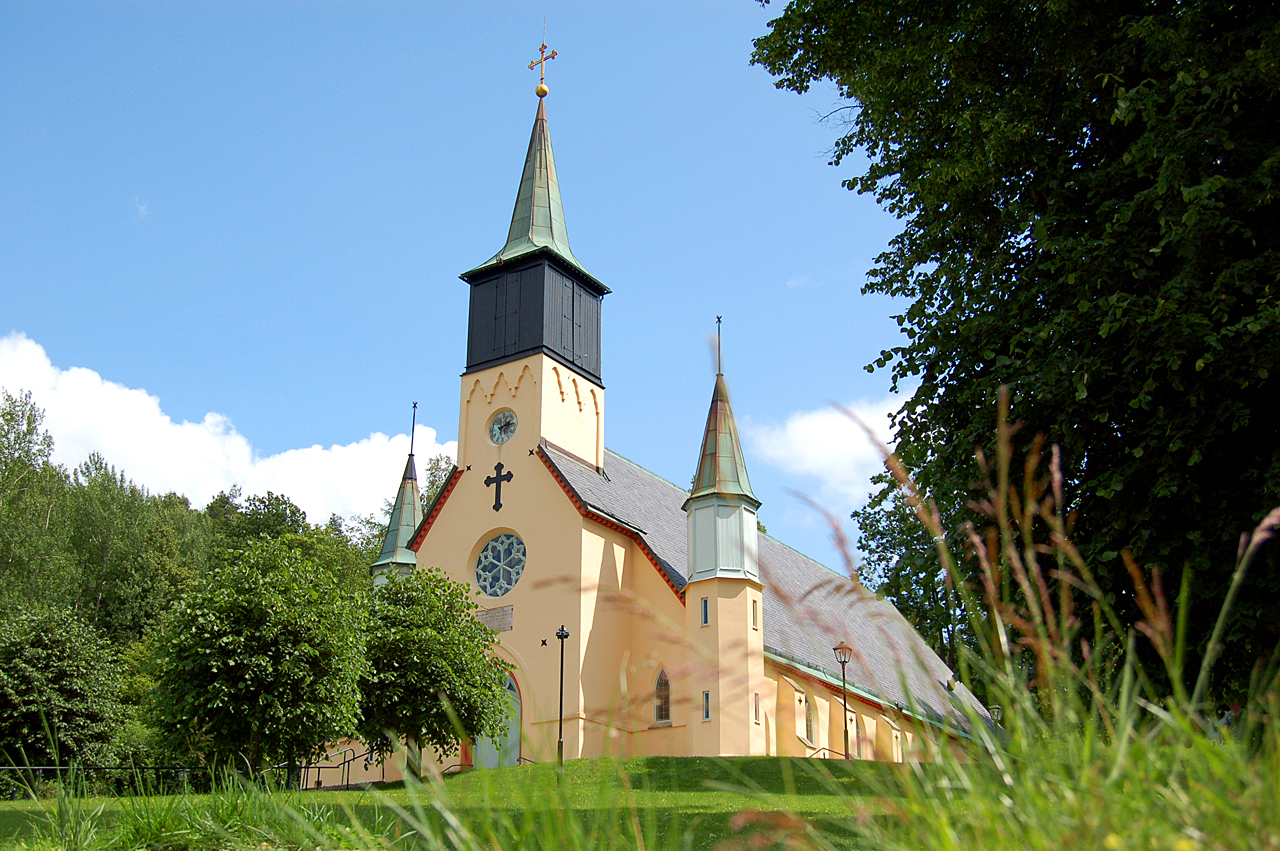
[[827, 446], [86, 413], [142, 207]]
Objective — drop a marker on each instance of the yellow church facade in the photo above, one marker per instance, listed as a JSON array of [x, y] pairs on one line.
[[690, 633]]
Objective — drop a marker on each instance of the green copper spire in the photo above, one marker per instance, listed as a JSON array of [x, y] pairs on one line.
[[538, 220], [406, 515], [721, 467]]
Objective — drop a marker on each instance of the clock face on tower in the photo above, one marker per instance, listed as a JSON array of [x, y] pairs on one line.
[[502, 427]]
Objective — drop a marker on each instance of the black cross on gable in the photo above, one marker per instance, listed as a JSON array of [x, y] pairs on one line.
[[498, 478]]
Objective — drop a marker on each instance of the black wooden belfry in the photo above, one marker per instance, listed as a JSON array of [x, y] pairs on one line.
[[534, 304]]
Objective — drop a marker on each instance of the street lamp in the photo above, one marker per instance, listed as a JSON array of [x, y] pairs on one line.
[[843, 654], [561, 634]]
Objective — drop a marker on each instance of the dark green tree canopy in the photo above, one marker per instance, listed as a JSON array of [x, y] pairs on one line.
[[239, 520], [1088, 198], [425, 647]]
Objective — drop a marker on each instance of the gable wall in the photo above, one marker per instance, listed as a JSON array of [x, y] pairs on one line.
[[535, 508]]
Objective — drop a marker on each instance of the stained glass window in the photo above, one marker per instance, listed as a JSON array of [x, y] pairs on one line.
[[500, 564]]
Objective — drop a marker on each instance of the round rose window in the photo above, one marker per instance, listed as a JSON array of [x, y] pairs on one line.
[[500, 564]]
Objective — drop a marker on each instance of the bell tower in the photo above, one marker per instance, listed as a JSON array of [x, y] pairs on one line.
[[533, 329]]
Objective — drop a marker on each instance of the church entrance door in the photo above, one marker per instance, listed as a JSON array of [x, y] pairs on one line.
[[506, 750]]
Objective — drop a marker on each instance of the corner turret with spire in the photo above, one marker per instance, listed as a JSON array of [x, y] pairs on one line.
[[723, 536], [724, 598], [397, 555]]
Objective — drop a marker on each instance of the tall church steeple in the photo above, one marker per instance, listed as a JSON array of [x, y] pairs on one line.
[[537, 222], [534, 295]]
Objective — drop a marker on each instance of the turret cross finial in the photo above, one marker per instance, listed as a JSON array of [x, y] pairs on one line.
[[719, 361], [413, 427], [541, 62]]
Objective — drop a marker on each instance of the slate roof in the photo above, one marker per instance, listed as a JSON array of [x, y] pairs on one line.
[[808, 609]]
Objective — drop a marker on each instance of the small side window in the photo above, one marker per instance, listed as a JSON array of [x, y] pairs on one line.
[[706, 612], [755, 614], [757, 707], [662, 698], [706, 706]]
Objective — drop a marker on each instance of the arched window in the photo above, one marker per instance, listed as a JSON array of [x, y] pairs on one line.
[[808, 720], [662, 698]]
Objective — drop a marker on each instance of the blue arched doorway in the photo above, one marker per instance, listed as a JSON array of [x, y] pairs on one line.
[[506, 750]]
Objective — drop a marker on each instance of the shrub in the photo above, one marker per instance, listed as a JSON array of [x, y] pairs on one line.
[[59, 690], [259, 662]]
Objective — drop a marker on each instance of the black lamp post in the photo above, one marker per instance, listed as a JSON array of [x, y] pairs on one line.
[[843, 654], [561, 634]]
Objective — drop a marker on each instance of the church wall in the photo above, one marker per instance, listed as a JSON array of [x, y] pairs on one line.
[[823, 711], [572, 410], [727, 662], [657, 644], [786, 708], [536, 509], [606, 625], [550, 400], [874, 734]]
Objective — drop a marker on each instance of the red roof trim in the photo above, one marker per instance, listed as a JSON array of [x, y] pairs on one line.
[[603, 520], [421, 534]]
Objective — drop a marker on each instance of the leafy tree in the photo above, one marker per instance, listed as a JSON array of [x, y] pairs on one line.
[[272, 516], [57, 678], [425, 647], [435, 475], [24, 446], [908, 571], [35, 566], [366, 533], [131, 565], [259, 663], [139, 741], [334, 551], [1090, 218]]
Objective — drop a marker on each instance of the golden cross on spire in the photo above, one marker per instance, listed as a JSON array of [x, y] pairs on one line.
[[542, 90]]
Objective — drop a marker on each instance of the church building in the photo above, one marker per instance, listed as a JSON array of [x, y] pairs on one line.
[[690, 632]]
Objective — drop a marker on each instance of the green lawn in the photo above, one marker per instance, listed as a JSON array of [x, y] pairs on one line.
[[668, 802]]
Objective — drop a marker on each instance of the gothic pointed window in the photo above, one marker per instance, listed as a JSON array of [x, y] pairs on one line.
[[808, 720], [662, 698]]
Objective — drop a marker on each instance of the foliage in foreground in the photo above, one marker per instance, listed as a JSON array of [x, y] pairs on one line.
[[1093, 752]]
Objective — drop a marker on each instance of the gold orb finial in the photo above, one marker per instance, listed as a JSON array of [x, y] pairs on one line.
[[541, 64]]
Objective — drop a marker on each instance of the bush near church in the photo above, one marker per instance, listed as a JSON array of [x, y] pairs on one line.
[[426, 648], [59, 691], [260, 662]]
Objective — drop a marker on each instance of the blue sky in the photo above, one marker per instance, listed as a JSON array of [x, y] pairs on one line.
[[230, 236]]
